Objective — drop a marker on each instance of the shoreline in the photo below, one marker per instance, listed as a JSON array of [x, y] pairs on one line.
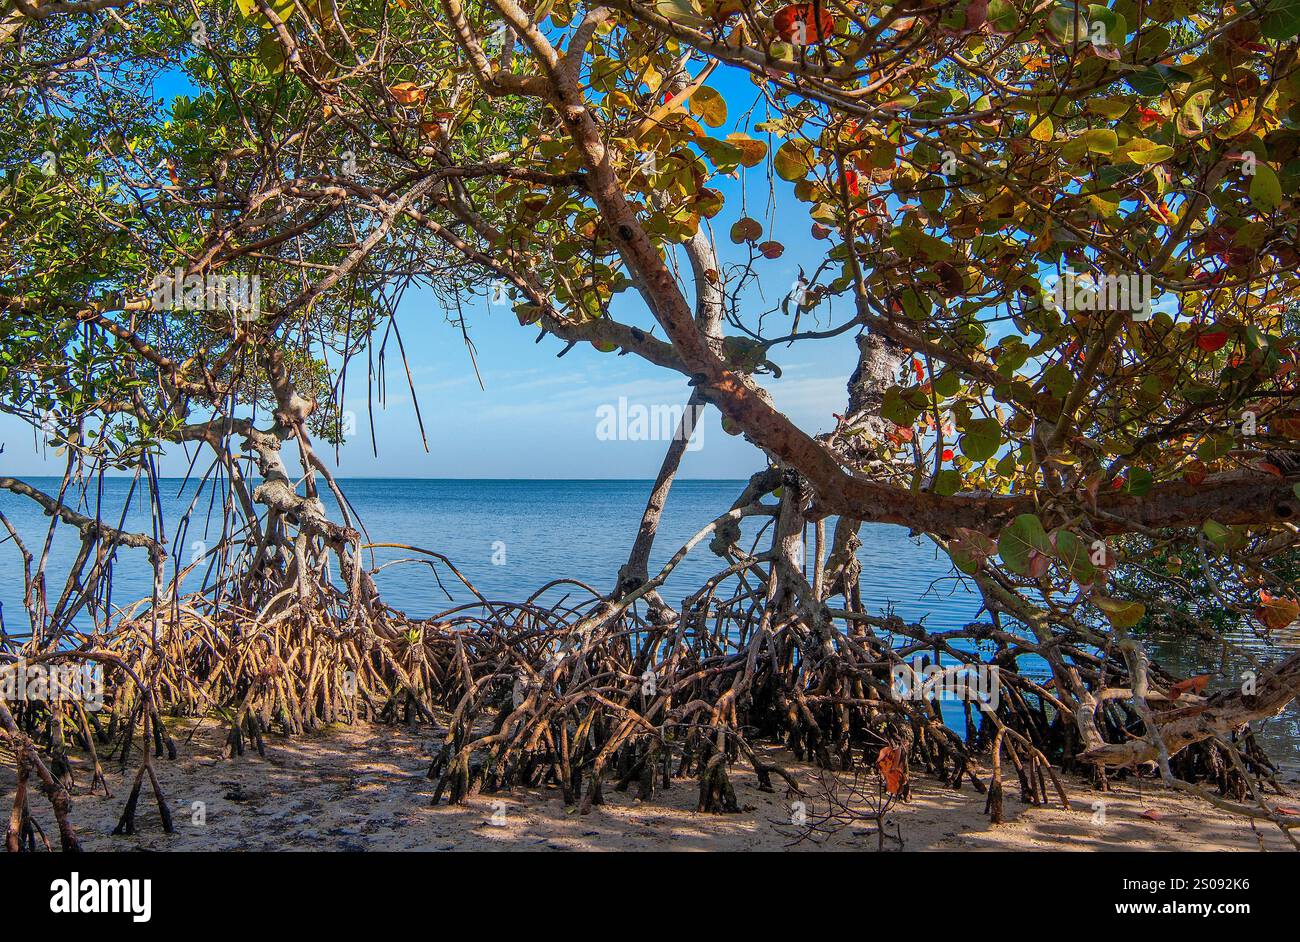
[[363, 788]]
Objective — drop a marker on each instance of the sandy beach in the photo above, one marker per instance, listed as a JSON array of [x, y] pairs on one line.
[[363, 788]]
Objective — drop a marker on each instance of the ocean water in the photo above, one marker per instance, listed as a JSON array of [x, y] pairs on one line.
[[511, 537], [508, 538]]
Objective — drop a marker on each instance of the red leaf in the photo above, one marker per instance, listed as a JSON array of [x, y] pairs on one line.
[[1268, 468], [1148, 116], [1194, 473], [1152, 815], [1212, 340], [798, 23]]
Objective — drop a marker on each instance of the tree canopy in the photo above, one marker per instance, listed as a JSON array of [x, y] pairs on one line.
[[1064, 234]]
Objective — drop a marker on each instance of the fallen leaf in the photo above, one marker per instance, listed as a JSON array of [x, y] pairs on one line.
[[890, 765], [1190, 685]]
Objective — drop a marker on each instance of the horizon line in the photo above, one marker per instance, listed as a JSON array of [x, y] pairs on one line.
[[407, 477]]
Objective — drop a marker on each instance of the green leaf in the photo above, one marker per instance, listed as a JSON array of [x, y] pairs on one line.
[[1281, 20], [284, 9], [271, 53], [1119, 613], [1101, 141], [709, 104], [893, 408], [1023, 536], [1067, 24], [791, 160], [1003, 15], [1140, 481], [913, 242], [1216, 533], [1190, 118], [681, 12], [969, 549], [1112, 108], [723, 153], [981, 439], [1073, 554], [1215, 446], [947, 482], [1143, 152], [1156, 80], [947, 384], [1265, 188]]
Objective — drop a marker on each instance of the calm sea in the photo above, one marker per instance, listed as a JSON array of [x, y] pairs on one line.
[[511, 537]]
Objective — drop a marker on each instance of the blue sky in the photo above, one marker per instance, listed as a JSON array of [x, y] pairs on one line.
[[537, 416]]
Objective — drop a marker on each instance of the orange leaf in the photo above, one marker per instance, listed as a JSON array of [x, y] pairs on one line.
[[1190, 685], [890, 765], [1152, 814], [408, 93], [1276, 613], [1194, 473]]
